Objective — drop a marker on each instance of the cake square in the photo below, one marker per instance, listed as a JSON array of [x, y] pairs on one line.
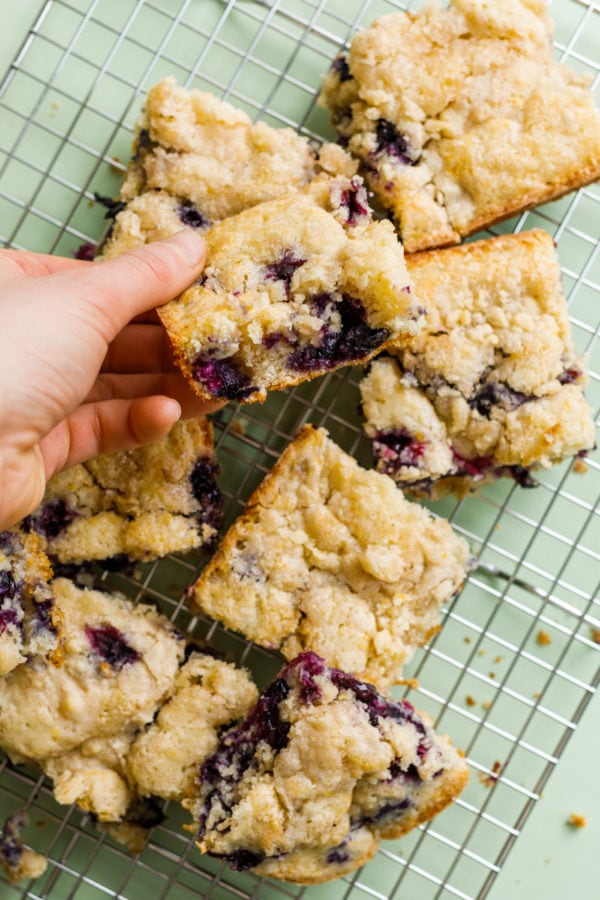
[[493, 385], [198, 159], [461, 117], [331, 557], [321, 769], [293, 288], [136, 504]]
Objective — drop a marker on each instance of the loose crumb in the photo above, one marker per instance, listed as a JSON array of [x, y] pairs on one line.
[[596, 635], [490, 779], [492, 674], [470, 701], [467, 640], [116, 166], [537, 695], [410, 682], [543, 638], [577, 821], [481, 652], [239, 426], [498, 659], [580, 466], [486, 704]]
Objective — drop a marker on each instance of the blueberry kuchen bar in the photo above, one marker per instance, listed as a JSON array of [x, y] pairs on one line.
[[493, 385], [198, 160], [292, 288], [331, 557], [321, 769], [461, 117], [157, 499], [125, 718]]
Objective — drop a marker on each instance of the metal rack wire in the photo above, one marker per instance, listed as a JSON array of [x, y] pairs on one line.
[[68, 104]]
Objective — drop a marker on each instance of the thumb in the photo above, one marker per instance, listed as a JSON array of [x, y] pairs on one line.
[[137, 281]]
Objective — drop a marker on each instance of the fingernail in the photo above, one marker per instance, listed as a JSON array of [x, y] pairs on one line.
[[190, 246]]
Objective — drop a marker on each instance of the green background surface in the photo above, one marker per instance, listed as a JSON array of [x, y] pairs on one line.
[[549, 859]]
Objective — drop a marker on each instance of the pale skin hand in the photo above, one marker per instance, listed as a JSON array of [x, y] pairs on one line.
[[77, 377]]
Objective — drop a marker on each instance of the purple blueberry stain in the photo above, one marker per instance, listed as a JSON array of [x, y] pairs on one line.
[[85, 251], [222, 378], [9, 617], [11, 844], [42, 617], [54, 517], [354, 340], [494, 393], [241, 860], [572, 375], [396, 449], [341, 68], [283, 270], [190, 215], [206, 491], [113, 207], [111, 646], [391, 143], [8, 587], [354, 201]]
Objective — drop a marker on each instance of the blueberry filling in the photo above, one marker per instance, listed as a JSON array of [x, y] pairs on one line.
[[242, 860], [113, 207], [144, 144], [111, 646], [396, 448], [8, 617], [338, 855], [85, 251], [222, 378], [494, 394], [354, 339], [54, 517], [386, 810], [476, 467], [205, 490], [42, 617], [191, 215], [354, 201], [11, 845], [8, 587], [341, 67], [571, 375], [391, 143], [283, 270]]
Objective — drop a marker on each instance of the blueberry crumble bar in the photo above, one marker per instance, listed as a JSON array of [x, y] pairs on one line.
[[461, 118], [127, 717], [198, 160], [157, 499], [493, 385], [208, 694], [321, 769], [29, 620], [293, 288], [18, 861], [331, 557]]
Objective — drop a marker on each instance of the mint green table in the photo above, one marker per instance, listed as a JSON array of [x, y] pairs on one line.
[[248, 45]]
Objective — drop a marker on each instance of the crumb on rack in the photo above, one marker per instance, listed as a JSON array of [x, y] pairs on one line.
[[467, 640], [580, 466], [470, 701], [490, 779], [487, 704], [595, 635], [498, 659], [412, 683], [575, 820], [543, 638]]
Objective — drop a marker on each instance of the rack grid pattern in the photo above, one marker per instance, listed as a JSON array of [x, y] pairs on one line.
[[68, 105]]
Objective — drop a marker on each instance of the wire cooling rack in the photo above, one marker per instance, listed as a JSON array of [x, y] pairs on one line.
[[68, 104]]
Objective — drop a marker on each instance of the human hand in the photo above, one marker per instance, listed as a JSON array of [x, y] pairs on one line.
[[78, 377]]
